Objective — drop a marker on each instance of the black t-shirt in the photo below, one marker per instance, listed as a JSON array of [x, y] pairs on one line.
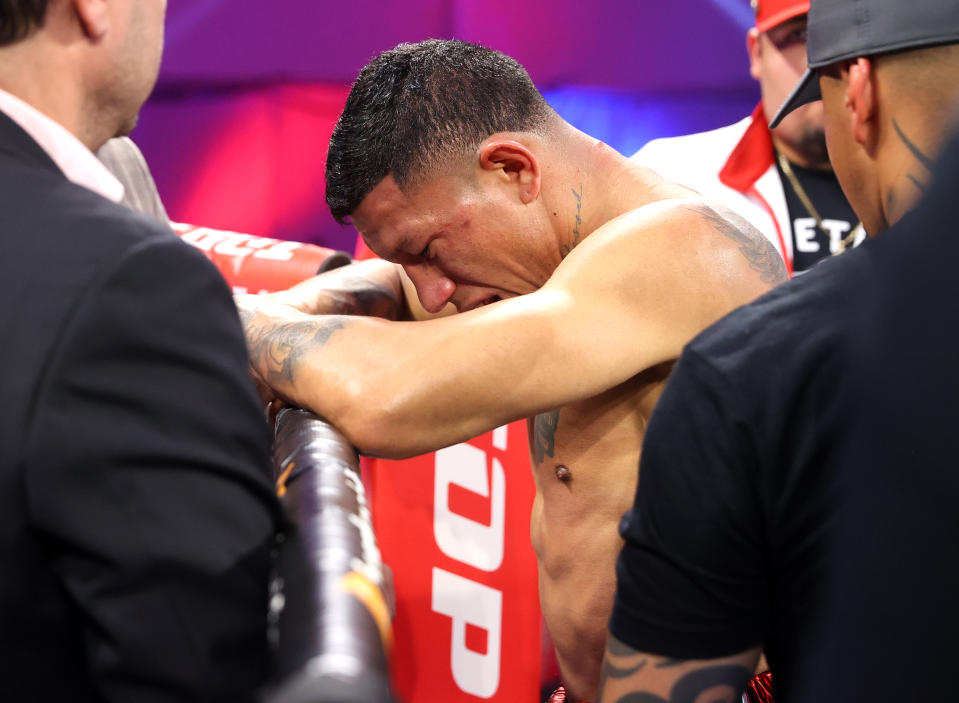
[[799, 486], [893, 609], [722, 547], [810, 244]]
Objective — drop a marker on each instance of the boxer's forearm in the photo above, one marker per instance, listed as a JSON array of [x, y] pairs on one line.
[[372, 288], [398, 389], [358, 373]]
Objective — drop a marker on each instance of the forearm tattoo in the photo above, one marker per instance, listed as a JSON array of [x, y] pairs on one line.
[[759, 252], [276, 350], [705, 684]]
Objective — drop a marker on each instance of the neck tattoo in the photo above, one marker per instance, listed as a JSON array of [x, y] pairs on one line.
[[920, 156], [567, 248]]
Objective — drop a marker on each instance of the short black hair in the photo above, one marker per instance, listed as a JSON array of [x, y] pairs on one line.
[[418, 104], [20, 17]]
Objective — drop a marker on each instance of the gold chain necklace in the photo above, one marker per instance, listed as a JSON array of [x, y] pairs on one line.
[[800, 192]]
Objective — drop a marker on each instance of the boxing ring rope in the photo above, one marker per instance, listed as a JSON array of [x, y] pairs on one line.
[[330, 617]]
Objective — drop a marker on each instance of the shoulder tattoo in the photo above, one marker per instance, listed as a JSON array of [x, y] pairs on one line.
[[758, 251]]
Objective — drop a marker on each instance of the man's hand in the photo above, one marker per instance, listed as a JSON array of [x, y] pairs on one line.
[[373, 288], [629, 675]]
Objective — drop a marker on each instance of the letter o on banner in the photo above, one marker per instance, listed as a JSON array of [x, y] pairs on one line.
[[459, 537]]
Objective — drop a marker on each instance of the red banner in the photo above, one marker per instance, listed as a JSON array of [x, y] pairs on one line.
[[252, 264], [454, 528]]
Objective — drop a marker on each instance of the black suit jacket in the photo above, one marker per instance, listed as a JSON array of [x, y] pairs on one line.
[[136, 509]]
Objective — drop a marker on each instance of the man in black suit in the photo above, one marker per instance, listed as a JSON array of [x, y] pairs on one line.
[[136, 509]]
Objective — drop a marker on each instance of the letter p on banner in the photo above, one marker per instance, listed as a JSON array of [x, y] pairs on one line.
[[471, 603]]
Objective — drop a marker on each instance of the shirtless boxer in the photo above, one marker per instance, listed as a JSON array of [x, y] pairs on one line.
[[578, 278]]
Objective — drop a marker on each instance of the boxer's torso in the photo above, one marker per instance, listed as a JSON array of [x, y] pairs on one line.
[[585, 460]]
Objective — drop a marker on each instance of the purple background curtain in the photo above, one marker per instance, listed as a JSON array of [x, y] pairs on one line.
[[236, 131]]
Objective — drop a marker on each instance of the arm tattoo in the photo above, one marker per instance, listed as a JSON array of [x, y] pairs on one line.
[[761, 255], [921, 157], [567, 248], [618, 648], [356, 295], [611, 671], [667, 663], [277, 349], [709, 684], [543, 440]]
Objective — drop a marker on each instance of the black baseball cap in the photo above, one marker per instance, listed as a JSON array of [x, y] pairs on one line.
[[846, 29]]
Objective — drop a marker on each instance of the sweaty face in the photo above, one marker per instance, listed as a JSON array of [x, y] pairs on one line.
[[138, 47], [459, 242], [778, 62]]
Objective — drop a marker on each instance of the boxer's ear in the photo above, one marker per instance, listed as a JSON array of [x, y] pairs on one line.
[[514, 163], [94, 17], [861, 101]]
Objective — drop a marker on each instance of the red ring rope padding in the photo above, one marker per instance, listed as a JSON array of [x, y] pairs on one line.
[[252, 264]]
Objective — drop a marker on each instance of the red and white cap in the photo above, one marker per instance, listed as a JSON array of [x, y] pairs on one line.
[[769, 13]]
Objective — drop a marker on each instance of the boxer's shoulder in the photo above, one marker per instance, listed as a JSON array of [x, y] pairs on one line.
[[683, 263], [699, 235], [685, 234]]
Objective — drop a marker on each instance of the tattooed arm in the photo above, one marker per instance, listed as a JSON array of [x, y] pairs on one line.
[[634, 677], [374, 288], [627, 298]]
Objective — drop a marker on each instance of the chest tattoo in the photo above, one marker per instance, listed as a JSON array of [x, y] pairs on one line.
[[544, 435]]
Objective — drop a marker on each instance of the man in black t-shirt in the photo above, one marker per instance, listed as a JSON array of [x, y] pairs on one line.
[[796, 490]]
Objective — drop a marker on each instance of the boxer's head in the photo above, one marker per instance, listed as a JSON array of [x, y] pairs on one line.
[[433, 159], [777, 58], [88, 64], [888, 75]]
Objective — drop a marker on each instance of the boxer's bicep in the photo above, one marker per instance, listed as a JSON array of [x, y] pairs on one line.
[[634, 301]]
